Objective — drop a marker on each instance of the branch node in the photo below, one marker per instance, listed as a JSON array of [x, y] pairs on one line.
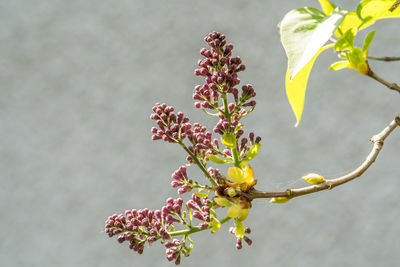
[[397, 120]]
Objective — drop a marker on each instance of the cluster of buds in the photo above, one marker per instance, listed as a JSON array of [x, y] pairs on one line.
[[201, 142], [241, 237], [181, 180], [201, 210], [220, 70], [172, 127], [218, 97], [140, 226]]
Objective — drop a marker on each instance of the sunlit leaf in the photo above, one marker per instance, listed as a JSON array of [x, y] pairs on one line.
[[378, 9], [229, 140], [202, 194], [338, 65], [327, 6], [216, 225], [303, 32], [350, 22], [296, 88], [368, 40], [223, 202], [345, 42], [217, 159]]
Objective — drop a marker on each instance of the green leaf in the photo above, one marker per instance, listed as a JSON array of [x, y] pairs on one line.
[[368, 40], [223, 202], [378, 9], [229, 140], [355, 57], [327, 6], [202, 194], [296, 88], [253, 151], [190, 213], [345, 42], [239, 231], [303, 32], [338, 65], [215, 225], [217, 159], [352, 22]]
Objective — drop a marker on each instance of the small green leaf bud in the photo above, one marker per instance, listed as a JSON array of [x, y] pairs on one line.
[[313, 178], [279, 200]]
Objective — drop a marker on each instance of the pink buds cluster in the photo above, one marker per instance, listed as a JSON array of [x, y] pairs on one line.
[[140, 226], [202, 142], [181, 180], [220, 72], [239, 240], [201, 210], [171, 127]]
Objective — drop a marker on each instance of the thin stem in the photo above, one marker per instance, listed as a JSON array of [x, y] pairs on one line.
[[236, 161], [387, 59], [228, 116], [392, 86], [198, 163], [377, 141], [195, 229]]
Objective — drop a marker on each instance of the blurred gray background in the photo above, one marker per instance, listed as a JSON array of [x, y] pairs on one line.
[[78, 80]]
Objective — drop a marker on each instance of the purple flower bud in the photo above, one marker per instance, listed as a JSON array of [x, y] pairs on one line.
[[239, 244]]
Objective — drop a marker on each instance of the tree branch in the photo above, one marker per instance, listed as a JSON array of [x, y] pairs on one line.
[[384, 58], [377, 141], [389, 85]]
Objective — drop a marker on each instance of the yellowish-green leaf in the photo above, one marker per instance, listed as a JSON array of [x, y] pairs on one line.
[[229, 140], [368, 40], [279, 200], [202, 194], [327, 6], [253, 151], [233, 211], [239, 230], [303, 32], [313, 178], [236, 174], [345, 42], [338, 65], [216, 225], [355, 57], [243, 214], [296, 88], [217, 159], [378, 9], [223, 202]]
